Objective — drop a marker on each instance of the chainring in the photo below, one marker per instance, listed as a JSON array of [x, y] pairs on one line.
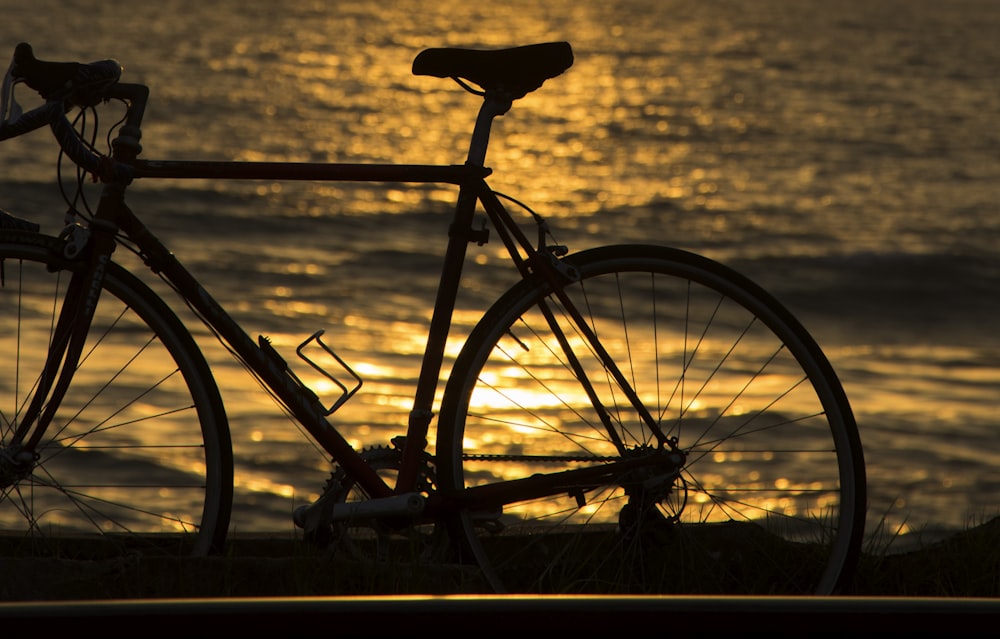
[[375, 540]]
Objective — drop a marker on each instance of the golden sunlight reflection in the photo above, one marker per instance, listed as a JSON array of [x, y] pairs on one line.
[[255, 483], [725, 133]]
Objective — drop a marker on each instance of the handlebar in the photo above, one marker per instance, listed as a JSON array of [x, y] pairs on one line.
[[64, 85]]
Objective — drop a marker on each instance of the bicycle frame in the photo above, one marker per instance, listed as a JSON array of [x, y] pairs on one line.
[[301, 402], [114, 215], [542, 440]]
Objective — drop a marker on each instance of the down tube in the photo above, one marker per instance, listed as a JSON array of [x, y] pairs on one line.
[[266, 364]]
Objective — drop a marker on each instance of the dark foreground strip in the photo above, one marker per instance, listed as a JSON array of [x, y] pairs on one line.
[[516, 617]]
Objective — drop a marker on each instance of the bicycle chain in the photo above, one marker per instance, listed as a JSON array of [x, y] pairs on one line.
[[539, 458], [381, 458]]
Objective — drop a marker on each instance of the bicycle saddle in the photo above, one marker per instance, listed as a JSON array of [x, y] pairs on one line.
[[517, 71]]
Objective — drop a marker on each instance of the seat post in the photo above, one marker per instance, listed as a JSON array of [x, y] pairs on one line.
[[495, 104]]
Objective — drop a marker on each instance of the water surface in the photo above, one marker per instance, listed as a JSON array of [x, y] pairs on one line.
[[845, 155]]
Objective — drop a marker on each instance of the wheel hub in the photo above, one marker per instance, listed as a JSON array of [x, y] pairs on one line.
[[15, 465], [656, 492]]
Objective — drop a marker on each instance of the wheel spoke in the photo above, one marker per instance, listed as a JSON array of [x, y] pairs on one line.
[[772, 462], [139, 445]]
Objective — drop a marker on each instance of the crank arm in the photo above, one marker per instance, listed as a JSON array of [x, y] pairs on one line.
[[405, 505]]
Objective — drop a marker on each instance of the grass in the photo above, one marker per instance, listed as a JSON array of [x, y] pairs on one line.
[[251, 567], [966, 564]]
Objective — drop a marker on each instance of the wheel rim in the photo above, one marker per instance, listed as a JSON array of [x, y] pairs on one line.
[[766, 473], [126, 457]]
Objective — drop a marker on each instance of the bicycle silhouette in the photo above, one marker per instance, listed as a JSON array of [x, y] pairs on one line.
[[623, 419]]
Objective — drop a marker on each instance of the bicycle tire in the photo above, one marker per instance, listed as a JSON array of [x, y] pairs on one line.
[[771, 497], [138, 456]]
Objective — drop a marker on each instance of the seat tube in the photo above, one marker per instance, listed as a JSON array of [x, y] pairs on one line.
[[459, 236]]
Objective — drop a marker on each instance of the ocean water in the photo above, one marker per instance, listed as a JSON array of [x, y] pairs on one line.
[[844, 155]]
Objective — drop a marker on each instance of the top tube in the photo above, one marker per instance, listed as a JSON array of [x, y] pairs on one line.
[[313, 171], [504, 75]]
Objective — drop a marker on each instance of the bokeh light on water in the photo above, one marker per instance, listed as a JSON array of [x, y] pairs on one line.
[[807, 145]]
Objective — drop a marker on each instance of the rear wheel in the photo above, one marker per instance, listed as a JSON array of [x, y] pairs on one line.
[[770, 496], [139, 451]]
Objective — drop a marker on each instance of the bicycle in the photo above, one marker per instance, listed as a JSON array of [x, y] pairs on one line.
[[623, 419]]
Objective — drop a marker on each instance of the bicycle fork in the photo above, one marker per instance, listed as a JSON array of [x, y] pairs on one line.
[[66, 347]]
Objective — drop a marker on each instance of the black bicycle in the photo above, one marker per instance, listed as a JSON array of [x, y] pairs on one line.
[[623, 419]]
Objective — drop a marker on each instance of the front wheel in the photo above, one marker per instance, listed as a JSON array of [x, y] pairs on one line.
[[138, 453], [770, 495]]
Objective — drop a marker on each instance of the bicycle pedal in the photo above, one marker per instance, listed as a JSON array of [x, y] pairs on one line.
[[325, 361]]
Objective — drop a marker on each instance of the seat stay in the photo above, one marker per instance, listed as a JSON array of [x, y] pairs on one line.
[[541, 264]]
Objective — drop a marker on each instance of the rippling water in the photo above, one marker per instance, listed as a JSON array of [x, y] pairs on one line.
[[845, 155]]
